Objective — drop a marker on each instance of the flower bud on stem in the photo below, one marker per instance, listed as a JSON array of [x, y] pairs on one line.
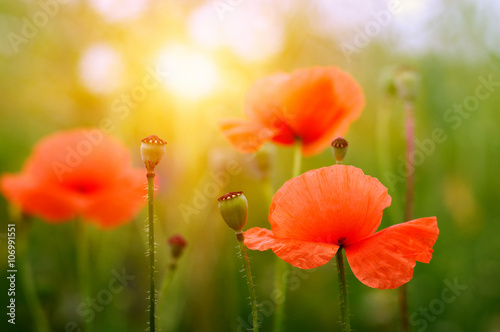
[[177, 244], [152, 150], [233, 208]]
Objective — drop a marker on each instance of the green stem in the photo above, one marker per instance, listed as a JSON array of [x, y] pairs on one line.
[[83, 266], [40, 319], [268, 190], [297, 159], [168, 279], [282, 269], [410, 150], [151, 251], [410, 185], [383, 150], [251, 289], [382, 135], [344, 301]]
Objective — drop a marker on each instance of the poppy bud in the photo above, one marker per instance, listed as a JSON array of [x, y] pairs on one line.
[[152, 149], [386, 81], [406, 81], [177, 244], [263, 161], [339, 146], [233, 208]]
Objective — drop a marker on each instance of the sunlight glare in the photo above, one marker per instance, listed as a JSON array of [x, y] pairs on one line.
[[190, 75]]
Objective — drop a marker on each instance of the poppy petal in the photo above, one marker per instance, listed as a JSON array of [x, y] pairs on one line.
[[261, 101], [245, 136], [45, 201], [319, 104], [262, 105], [120, 203], [72, 155], [71, 172], [387, 259], [337, 204], [301, 254]]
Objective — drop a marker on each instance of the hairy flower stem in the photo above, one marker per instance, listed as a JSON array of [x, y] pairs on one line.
[[282, 269], [410, 187], [251, 290], [151, 251], [344, 301], [83, 266]]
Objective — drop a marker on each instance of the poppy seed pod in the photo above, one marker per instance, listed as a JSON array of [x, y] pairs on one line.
[[233, 208], [152, 150], [177, 244], [339, 146]]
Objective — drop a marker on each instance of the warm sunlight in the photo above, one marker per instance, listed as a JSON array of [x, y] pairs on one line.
[[190, 75]]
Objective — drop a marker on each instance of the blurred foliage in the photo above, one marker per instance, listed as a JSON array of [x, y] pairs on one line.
[[457, 182]]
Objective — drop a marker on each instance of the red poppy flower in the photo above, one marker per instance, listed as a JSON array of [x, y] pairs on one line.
[[313, 105], [314, 214], [78, 173]]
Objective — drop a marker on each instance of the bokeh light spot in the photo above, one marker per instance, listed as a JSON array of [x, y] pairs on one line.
[[119, 10], [101, 69], [190, 75]]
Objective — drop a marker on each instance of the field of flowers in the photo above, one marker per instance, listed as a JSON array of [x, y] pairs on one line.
[[234, 165]]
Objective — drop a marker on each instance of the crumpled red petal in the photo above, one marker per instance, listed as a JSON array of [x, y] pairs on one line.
[[301, 254], [387, 258]]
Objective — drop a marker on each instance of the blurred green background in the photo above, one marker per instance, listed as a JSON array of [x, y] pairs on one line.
[[89, 63]]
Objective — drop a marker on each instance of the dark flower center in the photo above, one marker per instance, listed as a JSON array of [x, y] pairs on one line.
[[84, 187], [341, 240]]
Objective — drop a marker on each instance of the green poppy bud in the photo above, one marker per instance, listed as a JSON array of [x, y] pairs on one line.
[[339, 146], [407, 81], [233, 208], [152, 149]]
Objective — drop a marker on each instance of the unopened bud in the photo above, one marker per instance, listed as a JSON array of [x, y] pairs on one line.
[[177, 244], [386, 81], [339, 146], [152, 149], [407, 81], [233, 208]]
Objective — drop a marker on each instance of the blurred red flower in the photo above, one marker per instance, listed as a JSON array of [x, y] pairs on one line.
[[78, 173], [313, 105], [314, 214]]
